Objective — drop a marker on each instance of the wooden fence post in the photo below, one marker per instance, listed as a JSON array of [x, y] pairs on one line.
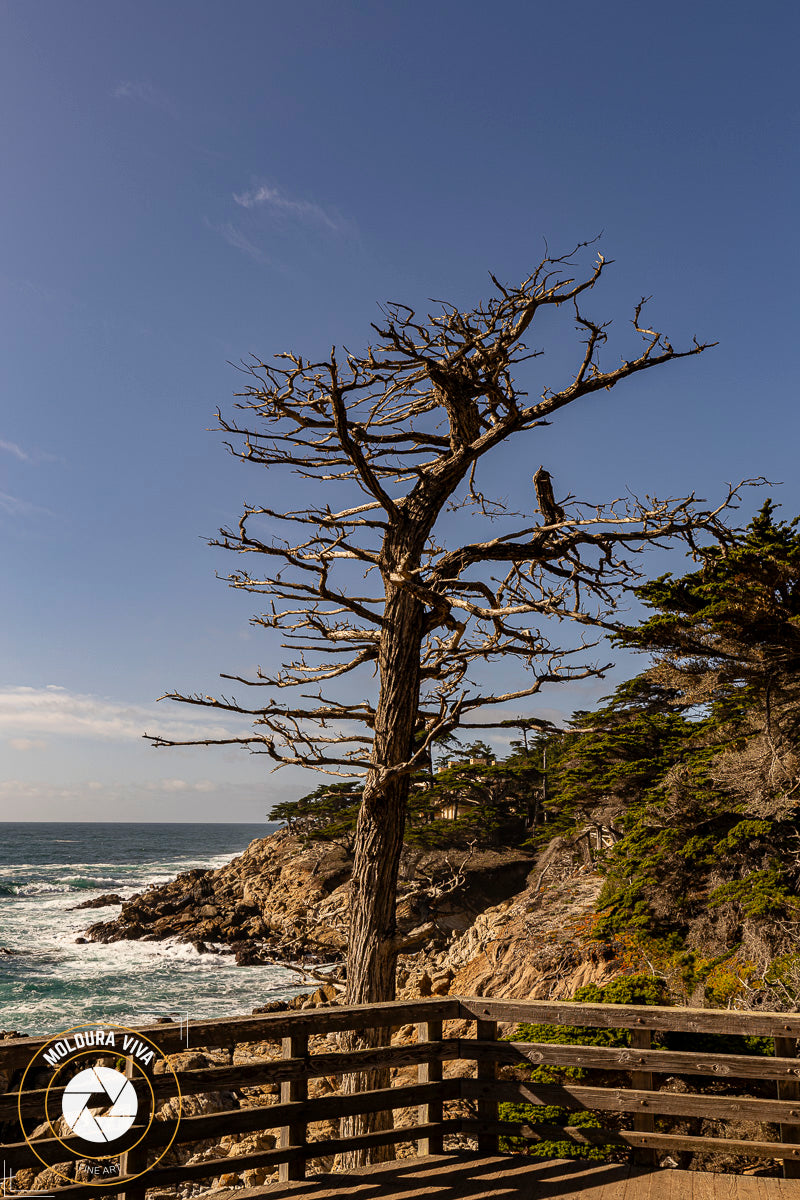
[[295, 1046], [643, 1122], [133, 1161], [430, 1072], [788, 1089], [486, 1031]]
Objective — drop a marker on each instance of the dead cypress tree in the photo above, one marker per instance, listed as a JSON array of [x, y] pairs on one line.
[[389, 440]]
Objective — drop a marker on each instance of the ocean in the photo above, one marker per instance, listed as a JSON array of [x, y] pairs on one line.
[[51, 982]]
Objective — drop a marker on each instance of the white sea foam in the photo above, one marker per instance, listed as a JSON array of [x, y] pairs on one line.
[[38, 889], [53, 981]]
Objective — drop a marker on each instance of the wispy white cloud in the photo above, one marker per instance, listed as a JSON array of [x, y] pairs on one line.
[[181, 785], [234, 237], [28, 456], [13, 506], [17, 451], [26, 744], [272, 199], [31, 713], [147, 93]]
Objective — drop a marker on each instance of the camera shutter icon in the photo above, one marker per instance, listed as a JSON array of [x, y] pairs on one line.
[[99, 1104]]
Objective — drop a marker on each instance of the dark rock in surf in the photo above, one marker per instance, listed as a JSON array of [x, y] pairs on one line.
[[98, 902]]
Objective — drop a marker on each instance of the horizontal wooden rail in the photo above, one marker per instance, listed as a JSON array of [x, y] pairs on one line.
[[291, 1116], [606, 1099], [632, 1016], [267, 1071], [609, 1058], [252, 1120], [582, 1135], [228, 1031]]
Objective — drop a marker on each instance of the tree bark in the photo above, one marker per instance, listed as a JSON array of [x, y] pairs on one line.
[[372, 953]]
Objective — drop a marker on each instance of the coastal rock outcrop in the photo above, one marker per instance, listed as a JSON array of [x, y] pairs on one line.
[[99, 902], [285, 900], [490, 927], [263, 898]]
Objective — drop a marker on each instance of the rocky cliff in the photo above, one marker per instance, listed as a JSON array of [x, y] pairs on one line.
[[492, 928], [535, 945]]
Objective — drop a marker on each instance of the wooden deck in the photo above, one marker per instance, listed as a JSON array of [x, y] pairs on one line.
[[623, 1085], [464, 1177]]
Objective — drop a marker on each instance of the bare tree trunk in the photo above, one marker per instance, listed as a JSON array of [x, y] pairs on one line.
[[372, 950]]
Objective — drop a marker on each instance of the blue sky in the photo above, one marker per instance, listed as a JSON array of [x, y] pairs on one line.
[[187, 183]]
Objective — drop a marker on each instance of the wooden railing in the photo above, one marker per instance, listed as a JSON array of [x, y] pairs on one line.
[[294, 1112]]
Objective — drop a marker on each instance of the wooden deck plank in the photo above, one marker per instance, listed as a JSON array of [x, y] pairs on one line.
[[469, 1177], [460, 1179], [616, 1187], [719, 1187], [775, 1189]]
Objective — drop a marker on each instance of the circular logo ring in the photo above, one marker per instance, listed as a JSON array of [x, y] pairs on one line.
[[59, 1036]]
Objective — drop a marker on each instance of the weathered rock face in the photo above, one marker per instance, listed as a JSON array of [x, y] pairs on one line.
[[494, 932], [271, 897], [532, 946], [451, 888]]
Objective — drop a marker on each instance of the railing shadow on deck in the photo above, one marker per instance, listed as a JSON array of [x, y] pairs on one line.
[[462, 1176], [291, 1116]]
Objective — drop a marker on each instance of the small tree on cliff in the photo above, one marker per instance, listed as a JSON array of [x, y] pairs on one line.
[[389, 440]]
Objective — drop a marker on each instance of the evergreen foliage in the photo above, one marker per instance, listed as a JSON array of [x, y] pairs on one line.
[[329, 813], [710, 859], [628, 989], [494, 803]]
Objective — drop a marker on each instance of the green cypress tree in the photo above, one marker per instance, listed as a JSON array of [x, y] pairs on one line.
[[711, 853]]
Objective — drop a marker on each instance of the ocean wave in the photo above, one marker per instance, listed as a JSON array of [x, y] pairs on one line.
[[40, 878], [88, 881], [10, 869], [77, 883], [55, 976], [173, 864], [38, 888], [131, 983]]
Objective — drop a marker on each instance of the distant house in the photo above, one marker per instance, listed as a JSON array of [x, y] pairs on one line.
[[450, 808]]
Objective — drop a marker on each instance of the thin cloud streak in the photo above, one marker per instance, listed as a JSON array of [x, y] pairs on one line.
[[274, 200], [13, 506], [17, 451], [29, 713], [234, 237], [147, 93], [34, 457]]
